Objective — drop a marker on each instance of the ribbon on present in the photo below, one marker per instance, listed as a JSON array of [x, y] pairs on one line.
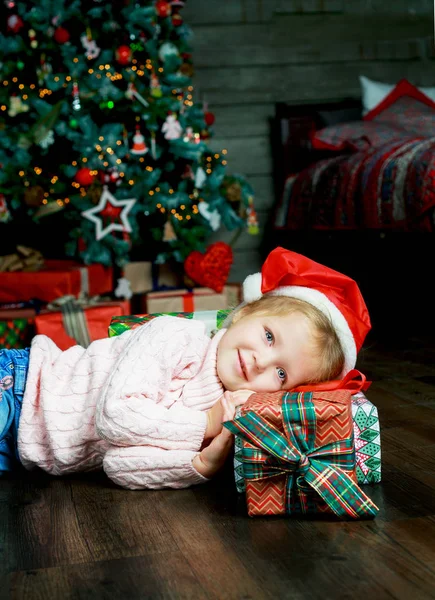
[[73, 315], [295, 456], [354, 381]]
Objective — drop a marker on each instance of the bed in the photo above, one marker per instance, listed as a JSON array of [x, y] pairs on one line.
[[357, 192]]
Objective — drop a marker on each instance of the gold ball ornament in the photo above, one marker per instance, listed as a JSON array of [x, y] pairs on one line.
[[234, 192], [33, 196], [187, 69], [94, 193]]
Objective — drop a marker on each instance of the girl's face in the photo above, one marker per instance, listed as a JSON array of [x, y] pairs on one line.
[[267, 353]]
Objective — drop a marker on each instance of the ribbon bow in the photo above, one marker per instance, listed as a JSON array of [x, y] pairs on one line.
[[304, 465]]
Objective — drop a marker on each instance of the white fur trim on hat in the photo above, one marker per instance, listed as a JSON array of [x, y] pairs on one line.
[[252, 292], [252, 288]]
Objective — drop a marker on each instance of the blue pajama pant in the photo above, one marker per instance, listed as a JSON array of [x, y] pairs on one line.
[[14, 365]]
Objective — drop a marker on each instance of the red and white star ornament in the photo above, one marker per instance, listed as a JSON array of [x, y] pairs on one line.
[[110, 214]]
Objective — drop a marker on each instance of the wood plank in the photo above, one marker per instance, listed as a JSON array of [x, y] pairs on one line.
[[309, 6], [409, 7], [247, 155], [142, 577], [196, 12], [299, 83], [61, 524], [332, 38], [240, 120], [245, 263]]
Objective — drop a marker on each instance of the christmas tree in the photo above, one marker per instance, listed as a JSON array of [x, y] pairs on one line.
[[103, 150]]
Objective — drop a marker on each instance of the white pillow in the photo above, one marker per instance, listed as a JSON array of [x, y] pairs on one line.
[[373, 92]]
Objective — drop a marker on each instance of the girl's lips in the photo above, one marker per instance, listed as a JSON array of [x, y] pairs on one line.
[[241, 365]]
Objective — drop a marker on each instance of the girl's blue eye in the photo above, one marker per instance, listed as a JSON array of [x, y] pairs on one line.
[[281, 374], [269, 336]]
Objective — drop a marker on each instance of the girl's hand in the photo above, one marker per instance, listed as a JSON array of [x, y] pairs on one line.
[[212, 458], [215, 415]]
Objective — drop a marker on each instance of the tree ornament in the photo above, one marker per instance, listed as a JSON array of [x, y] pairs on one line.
[[212, 268], [61, 35], [46, 140], [33, 196], [177, 20], [49, 208], [14, 23], [163, 8], [84, 177], [139, 145], [43, 70], [200, 177], [188, 172], [156, 90], [132, 93], [186, 69], [94, 192], [17, 106], [167, 51], [169, 234], [111, 213], [209, 118], [171, 128], [32, 38], [153, 145], [76, 97], [90, 45], [188, 135], [233, 192], [252, 220], [212, 216], [123, 289], [5, 215], [123, 55], [114, 177]]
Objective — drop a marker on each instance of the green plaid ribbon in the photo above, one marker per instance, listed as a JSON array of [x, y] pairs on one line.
[[305, 466], [215, 318]]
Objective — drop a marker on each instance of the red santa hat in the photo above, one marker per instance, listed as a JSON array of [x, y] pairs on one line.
[[286, 273]]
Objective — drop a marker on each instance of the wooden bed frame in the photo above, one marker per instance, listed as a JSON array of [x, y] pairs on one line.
[[390, 267]]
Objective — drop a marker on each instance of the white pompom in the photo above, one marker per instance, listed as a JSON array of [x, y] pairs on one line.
[[252, 288]]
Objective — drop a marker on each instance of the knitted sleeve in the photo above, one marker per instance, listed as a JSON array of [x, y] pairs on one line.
[[143, 467], [133, 409]]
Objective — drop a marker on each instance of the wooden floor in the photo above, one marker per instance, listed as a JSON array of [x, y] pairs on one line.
[[82, 537]]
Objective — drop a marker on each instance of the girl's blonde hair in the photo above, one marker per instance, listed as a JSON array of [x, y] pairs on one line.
[[325, 338]]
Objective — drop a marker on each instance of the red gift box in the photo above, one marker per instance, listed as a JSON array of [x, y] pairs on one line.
[[98, 319], [298, 455], [57, 278]]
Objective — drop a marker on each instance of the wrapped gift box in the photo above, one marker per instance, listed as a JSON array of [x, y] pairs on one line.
[[16, 328], [213, 320], [298, 455], [367, 439], [98, 318], [197, 299], [57, 278], [144, 276]]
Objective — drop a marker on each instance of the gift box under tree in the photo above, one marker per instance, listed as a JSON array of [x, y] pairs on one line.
[[298, 455]]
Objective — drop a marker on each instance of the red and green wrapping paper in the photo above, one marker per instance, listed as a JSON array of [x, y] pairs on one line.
[[298, 455]]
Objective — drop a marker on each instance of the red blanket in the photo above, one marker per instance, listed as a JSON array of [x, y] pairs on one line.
[[390, 186]]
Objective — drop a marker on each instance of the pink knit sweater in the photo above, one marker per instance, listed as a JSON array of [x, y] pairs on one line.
[[135, 404]]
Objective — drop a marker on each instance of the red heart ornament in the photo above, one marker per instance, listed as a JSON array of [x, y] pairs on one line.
[[212, 268]]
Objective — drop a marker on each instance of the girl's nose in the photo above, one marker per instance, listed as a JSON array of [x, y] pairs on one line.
[[260, 363]]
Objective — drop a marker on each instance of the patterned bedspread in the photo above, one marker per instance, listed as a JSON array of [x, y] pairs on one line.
[[391, 186]]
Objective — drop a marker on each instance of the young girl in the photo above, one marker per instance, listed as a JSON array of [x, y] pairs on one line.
[[148, 405]]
